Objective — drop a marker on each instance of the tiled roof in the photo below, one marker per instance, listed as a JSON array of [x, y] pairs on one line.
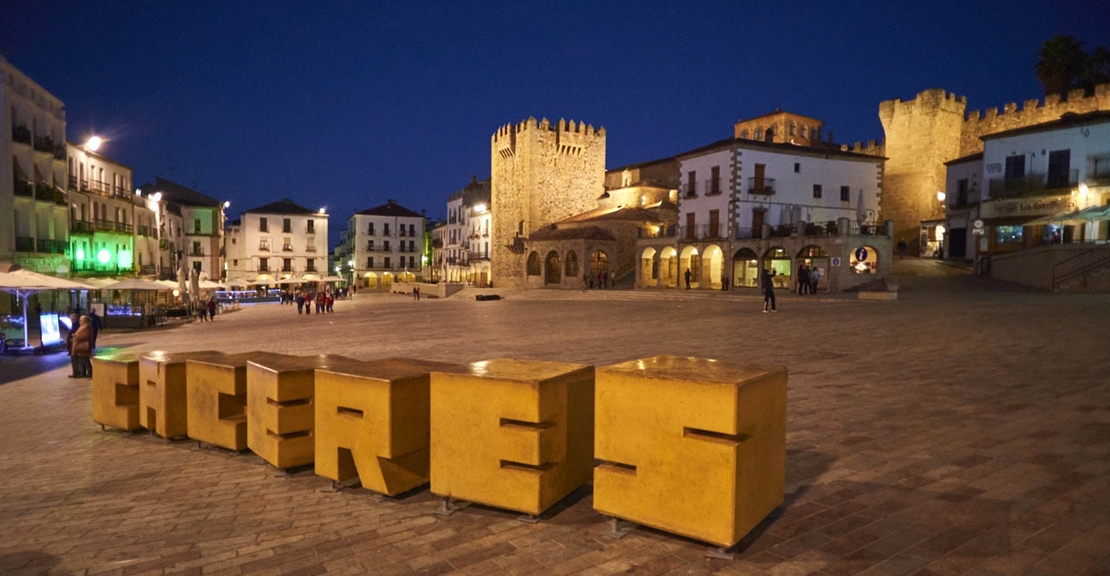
[[176, 193], [390, 208], [283, 206]]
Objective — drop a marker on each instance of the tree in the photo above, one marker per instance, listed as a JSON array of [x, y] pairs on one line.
[[1062, 61], [1064, 65]]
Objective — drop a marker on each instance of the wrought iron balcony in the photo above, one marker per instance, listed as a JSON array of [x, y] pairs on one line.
[[21, 134], [24, 244], [712, 187], [51, 246], [761, 186], [1033, 185], [81, 227]]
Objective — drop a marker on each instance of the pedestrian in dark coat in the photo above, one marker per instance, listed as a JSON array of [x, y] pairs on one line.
[[768, 291]]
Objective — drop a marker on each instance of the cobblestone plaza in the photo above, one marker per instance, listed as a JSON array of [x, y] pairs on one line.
[[962, 429]]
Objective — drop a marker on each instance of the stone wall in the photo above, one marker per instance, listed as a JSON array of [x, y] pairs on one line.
[[1035, 111], [931, 129], [540, 173]]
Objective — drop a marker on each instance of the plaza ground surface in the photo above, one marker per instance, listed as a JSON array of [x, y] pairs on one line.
[[963, 429]]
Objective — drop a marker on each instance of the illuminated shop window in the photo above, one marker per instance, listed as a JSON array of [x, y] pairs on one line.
[[1007, 234]]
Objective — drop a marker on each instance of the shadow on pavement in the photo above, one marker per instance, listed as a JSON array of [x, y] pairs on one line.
[[14, 368]]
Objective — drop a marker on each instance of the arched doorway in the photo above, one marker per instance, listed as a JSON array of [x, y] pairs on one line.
[[649, 268], [668, 267], [533, 266], [571, 265], [689, 261], [817, 259], [387, 280], [553, 269], [714, 266], [778, 260], [370, 280], [745, 268], [599, 263]]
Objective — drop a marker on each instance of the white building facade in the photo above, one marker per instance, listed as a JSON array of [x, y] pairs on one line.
[[279, 241], [388, 245], [1030, 190], [33, 205], [747, 205]]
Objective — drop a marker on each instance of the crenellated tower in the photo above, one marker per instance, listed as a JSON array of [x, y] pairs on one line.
[[921, 135], [540, 173]]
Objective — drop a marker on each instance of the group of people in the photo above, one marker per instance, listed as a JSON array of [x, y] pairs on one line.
[[323, 301], [81, 343], [206, 311], [602, 279], [808, 279]]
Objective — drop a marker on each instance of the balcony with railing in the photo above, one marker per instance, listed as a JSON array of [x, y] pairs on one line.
[[765, 186], [1034, 185], [263, 247], [1099, 172], [196, 252], [712, 187], [479, 255], [24, 244], [82, 227], [703, 232], [286, 247], [21, 134], [23, 188], [111, 226], [688, 190], [51, 246]]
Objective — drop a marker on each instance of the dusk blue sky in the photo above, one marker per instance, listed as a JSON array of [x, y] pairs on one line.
[[348, 104]]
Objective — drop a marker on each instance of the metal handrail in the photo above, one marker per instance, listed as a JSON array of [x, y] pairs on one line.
[[1085, 265]]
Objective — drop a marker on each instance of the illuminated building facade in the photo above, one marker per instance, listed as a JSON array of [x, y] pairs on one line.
[[33, 221]]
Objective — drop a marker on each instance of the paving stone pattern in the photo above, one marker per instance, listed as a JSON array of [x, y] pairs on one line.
[[963, 429]]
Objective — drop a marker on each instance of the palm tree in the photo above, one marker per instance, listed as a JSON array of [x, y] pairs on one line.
[[1097, 70], [1062, 62]]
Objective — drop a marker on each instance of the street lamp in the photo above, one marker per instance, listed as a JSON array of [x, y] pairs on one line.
[[94, 143]]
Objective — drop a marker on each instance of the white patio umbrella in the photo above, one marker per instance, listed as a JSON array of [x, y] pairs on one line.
[[194, 285], [23, 283], [210, 285], [330, 279], [135, 284]]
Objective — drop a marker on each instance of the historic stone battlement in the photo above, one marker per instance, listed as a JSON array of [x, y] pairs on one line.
[[1034, 111], [872, 148], [541, 173], [924, 133]]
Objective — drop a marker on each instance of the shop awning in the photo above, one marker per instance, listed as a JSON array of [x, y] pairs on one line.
[[1092, 213]]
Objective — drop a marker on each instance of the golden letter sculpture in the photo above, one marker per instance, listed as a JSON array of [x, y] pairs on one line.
[[280, 417], [162, 398], [514, 434], [115, 390], [217, 397], [372, 422], [691, 446]]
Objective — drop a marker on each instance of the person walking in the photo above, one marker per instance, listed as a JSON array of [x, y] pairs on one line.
[[814, 279], [768, 291], [901, 249], [416, 293], [212, 309], [300, 302], [74, 324], [202, 311], [94, 321], [688, 275], [803, 279], [330, 303], [81, 349]]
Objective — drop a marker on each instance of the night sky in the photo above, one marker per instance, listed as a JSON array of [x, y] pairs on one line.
[[348, 105]]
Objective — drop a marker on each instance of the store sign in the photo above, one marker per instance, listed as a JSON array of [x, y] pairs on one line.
[[1042, 206]]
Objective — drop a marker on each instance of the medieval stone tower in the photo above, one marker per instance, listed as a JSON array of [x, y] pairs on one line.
[[921, 135], [540, 173]]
